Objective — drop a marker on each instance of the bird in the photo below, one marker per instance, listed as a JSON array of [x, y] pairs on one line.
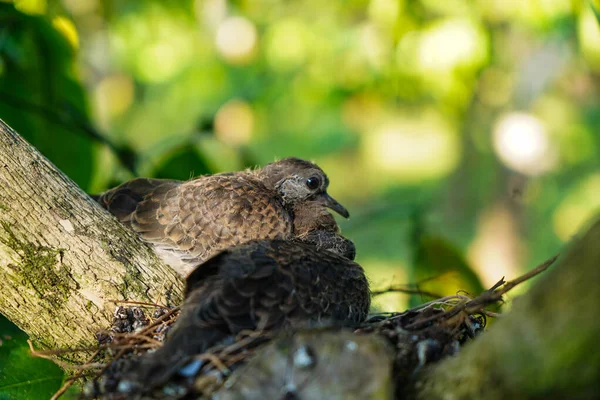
[[188, 221], [262, 285], [314, 225]]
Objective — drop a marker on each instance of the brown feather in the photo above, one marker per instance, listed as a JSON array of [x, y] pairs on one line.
[[188, 222], [268, 284]]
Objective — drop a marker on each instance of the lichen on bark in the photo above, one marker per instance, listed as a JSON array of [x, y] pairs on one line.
[[39, 267]]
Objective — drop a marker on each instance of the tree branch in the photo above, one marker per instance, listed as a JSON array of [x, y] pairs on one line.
[[63, 259], [546, 347]]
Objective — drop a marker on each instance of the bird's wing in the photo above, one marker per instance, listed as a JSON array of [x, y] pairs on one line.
[[326, 285], [266, 284], [261, 285], [211, 213], [220, 298], [123, 200]]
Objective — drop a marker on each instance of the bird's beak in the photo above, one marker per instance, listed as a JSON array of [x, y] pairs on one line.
[[332, 203]]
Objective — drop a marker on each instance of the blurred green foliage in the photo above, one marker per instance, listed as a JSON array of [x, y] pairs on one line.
[[41, 96], [462, 134], [22, 376]]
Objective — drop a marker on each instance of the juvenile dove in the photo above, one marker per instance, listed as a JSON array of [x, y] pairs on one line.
[[188, 221], [261, 285]]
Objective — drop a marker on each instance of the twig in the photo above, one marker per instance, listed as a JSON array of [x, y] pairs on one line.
[[48, 353], [443, 300], [159, 320], [123, 349], [115, 358], [488, 297], [134, 336], [536, 271], [48, 356], [491, 314], [399, 289], [69, 382], [237, 357], [241, 343], [215, 360], [139, 303]]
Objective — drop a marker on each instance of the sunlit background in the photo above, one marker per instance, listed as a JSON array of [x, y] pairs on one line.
[[462, 135]]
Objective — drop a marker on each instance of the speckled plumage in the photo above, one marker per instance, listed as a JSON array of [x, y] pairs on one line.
[[268, 285], [187, 222]]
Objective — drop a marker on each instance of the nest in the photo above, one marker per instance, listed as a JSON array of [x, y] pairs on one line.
[[420, 336]]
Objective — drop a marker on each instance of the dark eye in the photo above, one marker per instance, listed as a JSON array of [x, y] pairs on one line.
[[313, 182]]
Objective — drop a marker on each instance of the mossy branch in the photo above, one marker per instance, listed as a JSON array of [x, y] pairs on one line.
[[62, 257]]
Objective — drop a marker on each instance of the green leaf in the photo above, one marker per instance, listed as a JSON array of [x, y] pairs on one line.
[[21, 375], [40, 95], [442, 269]]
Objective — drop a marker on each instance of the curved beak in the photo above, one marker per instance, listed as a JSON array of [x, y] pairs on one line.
[[332, 203]]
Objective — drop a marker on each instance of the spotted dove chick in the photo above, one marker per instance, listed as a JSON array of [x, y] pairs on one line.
[[313, 224], [260, 285], [188, 221]]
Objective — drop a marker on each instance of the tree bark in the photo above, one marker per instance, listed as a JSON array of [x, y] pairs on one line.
[[327, 364], [62, 257]]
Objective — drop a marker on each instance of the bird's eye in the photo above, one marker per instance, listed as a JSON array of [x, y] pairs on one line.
[[313, 182]]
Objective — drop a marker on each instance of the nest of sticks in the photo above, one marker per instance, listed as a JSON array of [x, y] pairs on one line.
[[422, 335]]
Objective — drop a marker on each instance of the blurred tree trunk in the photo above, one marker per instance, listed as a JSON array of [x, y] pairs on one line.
[[546, 347], [62, 257]]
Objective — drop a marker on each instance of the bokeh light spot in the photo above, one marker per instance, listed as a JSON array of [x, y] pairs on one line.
[[588, 33], [32, 6], [385, 12], [156, 44], [450, 44], [67, 28], [112, 97], [80, 7], [374, 46], [286, 44], [159, 61], [234, 122], [211, 12], [521, 142], [496, 250], [408, 150], [383, 274], [236, 40]]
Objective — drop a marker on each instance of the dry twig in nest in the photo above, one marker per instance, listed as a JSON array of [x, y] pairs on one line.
[[491, 296]]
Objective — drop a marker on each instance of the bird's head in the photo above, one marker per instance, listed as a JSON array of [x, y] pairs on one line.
[[300, 182]]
